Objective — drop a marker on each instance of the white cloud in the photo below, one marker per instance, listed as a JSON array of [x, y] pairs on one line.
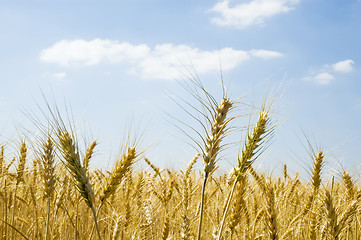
[[249, 13], [323, 78], [326, 74], [343, 66], [168, 60], [81, 52], [266, 54], [164, 61]]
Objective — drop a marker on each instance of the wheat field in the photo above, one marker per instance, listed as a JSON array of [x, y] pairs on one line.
[[53, 194]]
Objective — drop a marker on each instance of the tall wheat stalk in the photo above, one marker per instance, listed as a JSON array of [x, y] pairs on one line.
[[71, 160], [19, 178], [120, 169], [250, 152], [48, 170], [186, 191], [213, 146]]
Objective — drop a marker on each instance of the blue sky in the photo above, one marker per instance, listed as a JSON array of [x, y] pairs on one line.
[[116, 63]]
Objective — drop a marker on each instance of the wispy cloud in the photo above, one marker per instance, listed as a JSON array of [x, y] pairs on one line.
[[323, 78], [249, 13], [164, 61], [343, 66], [325, 75], [82, 53], [57, 76], [266, 54]]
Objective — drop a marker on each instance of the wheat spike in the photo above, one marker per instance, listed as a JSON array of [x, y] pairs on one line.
[[249, 154], [120, 168], [21, 167], [71, 160], [48, 177], [316, 173], [2, 160], [349, 184], [88, 155], [48, 165], [285, 174], [331, 215], [216, 134], [155, 169]]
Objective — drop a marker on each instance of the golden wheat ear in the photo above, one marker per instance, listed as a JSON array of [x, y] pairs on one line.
[[21, 166], [48, 175], [212, 145], [71, 159], [48, 167], [254, 142], [121, 167]]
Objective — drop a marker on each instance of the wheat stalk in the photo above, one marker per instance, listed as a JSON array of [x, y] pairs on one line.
[[19, 178], [186, 187], [250, 150], [213, 145], [271, 214], [48, 177], [71, 160], [2, 161], [315, 181]]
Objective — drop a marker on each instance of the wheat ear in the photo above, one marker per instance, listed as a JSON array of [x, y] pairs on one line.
[[316, 181], [48, 178], [249, 154], [71, 160], [120, 168], [88, 154], [21, 167], [155, 169], [331, 215], [350, 185], [285, 174], [213, 146]]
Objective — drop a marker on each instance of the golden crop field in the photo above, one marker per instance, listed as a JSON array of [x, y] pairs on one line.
[[53, 194]]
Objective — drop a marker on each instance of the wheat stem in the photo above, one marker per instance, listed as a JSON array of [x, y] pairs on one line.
[[229, 199], [201, 207]]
